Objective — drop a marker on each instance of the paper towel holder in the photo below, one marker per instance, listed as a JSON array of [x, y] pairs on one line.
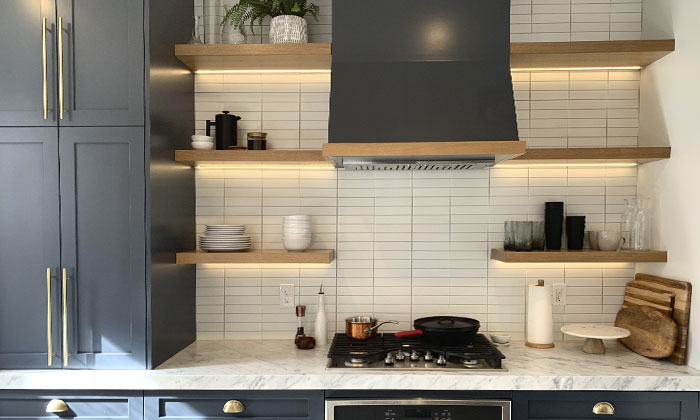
[[540, 283]]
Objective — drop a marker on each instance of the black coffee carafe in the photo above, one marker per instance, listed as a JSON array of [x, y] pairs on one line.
[[226, 126]]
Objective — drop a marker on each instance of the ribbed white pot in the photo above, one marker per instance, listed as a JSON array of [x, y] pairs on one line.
[[288, 29]]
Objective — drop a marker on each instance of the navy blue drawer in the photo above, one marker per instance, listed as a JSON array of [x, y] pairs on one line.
[[288, 405], [626, 405], [28, 405]]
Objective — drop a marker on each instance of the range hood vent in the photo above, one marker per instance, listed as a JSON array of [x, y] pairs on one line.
[[424, 73], [351, 164]]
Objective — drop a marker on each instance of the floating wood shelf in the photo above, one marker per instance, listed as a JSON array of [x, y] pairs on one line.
[[324, 256], [612, 154], [217, 57], [523, 55], [228, 157], [585, 256]]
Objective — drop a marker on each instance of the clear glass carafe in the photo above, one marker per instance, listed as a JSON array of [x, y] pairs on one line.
[[627, 224], [641, 231]]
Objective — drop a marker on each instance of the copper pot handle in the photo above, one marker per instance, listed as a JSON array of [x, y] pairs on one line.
[[370, 330]]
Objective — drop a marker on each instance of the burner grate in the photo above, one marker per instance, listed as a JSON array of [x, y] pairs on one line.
[[376, 348]]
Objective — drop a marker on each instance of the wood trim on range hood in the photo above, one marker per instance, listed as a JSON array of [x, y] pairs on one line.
[[500, 150]]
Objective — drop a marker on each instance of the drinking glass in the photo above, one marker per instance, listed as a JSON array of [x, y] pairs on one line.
[[522, 233], [538, 237]]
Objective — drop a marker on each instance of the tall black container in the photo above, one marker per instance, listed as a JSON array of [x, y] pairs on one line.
[[226, 125], [575, 231], [553, 219]]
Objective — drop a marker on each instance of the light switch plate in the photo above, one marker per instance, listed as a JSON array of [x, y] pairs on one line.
[[286, 295], [559, 294]]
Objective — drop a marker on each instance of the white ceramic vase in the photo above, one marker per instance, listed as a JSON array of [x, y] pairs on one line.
[[288, 29]]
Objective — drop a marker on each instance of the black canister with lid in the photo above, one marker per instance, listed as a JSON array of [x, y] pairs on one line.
[[226, 125]]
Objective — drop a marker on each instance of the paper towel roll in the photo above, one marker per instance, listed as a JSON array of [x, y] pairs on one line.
[[539, 316]]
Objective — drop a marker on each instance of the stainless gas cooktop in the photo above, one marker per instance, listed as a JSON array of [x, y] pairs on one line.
[[387, 352]]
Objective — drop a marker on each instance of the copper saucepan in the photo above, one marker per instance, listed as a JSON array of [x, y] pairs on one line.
[[363, 327]]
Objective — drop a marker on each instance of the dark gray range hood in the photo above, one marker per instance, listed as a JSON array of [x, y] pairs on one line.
[[418, 72]]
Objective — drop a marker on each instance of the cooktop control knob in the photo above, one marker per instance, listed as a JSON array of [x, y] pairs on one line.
[[441, 360], [415, 356], [428, 356], [400, 356], [389, 360]]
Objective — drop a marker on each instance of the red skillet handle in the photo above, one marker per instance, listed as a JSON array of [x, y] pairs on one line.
[[408, 333]]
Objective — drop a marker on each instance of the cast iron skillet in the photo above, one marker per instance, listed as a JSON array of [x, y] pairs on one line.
[[443, 330]]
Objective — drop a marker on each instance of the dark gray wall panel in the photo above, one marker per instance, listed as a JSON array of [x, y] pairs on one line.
[[103, 245], [29, 244], [104, 62], [21, 97], [172, 190]]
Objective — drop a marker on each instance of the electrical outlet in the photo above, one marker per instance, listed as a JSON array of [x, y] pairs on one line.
[[286, 295], [559, 294]]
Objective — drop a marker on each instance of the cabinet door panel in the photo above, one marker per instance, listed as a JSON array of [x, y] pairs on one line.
[[291, 405], [103, 67], [31, 405], [22, 64], [103, 245], [29, 244]]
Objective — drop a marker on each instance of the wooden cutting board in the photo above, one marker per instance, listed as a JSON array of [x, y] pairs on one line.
[[681, 309], [652, 333], [643, 294]]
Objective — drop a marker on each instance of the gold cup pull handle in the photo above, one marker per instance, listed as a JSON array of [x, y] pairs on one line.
[[57, 407], [233, 407], [59, 30], [604, 409]]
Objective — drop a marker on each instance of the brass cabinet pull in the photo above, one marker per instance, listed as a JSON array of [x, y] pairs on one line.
[[233, 407], [604, 408], [59, 29], [65, 316], [49, 338], [56, 406], [44, 63]]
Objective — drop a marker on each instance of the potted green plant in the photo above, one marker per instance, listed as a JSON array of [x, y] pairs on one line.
[[287, 25]]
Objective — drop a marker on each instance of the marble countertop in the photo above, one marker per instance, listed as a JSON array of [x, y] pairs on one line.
[[267, 365]]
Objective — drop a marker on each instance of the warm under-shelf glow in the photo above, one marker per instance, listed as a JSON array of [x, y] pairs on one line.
[[577, 68], [260, 71], [567, 165], [264, 166]]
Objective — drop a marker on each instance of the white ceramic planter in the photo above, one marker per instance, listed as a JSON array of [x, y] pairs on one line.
[[288, 29]]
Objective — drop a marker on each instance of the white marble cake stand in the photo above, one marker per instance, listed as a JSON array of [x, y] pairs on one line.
[[594, 335]]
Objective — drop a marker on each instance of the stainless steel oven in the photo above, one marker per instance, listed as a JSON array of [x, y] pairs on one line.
[[417, 409]]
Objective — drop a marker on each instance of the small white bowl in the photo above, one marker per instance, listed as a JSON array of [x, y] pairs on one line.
[[296, 230], [198, 138], [202, 145], [609, 240], [296, 236], [500, 338], [298, 217], [296, 244]]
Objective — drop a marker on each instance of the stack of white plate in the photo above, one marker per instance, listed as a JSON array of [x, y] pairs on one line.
[[225, 238], [296, 232]]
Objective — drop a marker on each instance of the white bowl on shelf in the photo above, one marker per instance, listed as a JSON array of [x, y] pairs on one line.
[[297, 218], [297, 230], [296, 244], [198, 138], [295, 236], [202, 145]]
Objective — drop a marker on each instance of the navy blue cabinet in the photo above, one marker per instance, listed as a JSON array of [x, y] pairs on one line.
[[33, 405], [92, 209], [599, 404], [288, 405]]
